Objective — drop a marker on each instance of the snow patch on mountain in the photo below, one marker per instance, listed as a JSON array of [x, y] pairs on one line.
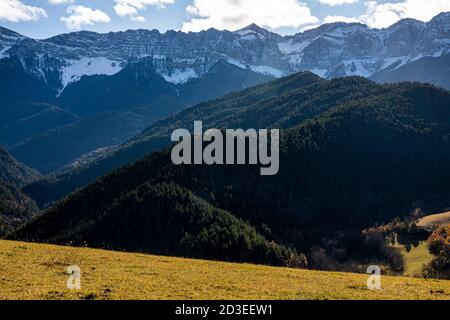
[[3, 53], [179, 76], [268, 71], [88, 67], [293, 47], [359, 67], [237, 63], [394, 61]]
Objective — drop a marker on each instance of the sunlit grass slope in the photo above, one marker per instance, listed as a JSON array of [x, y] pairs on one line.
[[416, 258], [434, 220], [36, 271]]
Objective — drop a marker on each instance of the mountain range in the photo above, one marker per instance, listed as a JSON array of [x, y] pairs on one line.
[[96, 91], [332, 50]]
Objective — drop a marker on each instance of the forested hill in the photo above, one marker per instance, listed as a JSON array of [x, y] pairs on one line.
[[15, 207], [360, 154], [283, 103]]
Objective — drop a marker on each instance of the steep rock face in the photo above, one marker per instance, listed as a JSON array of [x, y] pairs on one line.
[[337, 49], [435, 39], [402, 36]]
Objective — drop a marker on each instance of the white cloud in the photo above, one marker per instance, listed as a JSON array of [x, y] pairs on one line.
[[80, 15], [131, 8], [138, 18], [125, 10], [236, 14], [16, 10], [337, 2], [59, 1], [332, 19], [381, 15]]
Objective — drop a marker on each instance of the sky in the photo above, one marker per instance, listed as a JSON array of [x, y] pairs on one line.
[[45, 18]]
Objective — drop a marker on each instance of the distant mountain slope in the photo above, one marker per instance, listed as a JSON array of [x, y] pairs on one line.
[[13, 172], [50, 150], [221, 79], [429, 69], [345, 164], [27, 105], [44, 117], [13, 80]]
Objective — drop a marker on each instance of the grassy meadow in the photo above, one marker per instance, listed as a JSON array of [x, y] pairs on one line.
[[416, 258], [38, 271]]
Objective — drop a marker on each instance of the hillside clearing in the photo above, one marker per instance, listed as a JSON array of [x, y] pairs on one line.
[[416, 258], [37, 271]]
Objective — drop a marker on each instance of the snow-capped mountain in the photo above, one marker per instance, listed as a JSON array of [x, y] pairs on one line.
[[332, 50]]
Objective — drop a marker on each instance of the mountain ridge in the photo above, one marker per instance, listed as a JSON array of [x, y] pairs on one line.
[[331, 50]]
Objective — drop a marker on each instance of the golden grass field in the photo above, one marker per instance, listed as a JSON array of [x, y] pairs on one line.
[[416, 258], [431, 221], [37, 271]]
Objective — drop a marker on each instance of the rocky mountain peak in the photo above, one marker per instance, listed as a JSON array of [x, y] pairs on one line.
[[257, 30], [254, 27]]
